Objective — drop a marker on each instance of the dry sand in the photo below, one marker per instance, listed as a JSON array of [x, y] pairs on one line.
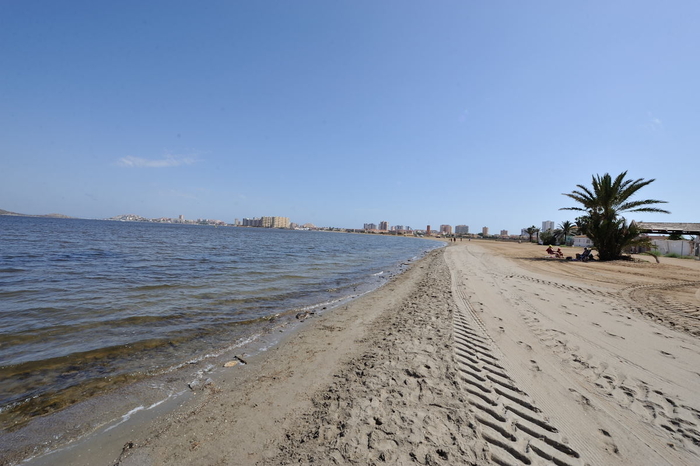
[[481, 353]]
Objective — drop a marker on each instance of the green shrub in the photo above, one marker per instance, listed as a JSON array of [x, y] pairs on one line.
[[678, 256]]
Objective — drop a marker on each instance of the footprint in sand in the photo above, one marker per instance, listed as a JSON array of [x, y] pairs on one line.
[[581, 399], [613, 335], [628, 391], [527, 347], [609, 445], [595, 323], [668, 355]]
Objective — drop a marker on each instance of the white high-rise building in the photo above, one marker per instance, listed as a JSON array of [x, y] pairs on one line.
[[547, 225]]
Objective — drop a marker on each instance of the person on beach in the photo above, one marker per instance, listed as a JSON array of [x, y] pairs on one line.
[[585, 256]]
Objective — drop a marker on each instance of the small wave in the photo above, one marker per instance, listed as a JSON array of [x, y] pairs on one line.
[[126, 417], [158, 403], [156, 287], [215, 354]]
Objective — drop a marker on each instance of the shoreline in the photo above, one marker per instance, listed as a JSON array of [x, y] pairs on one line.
[[131, 318], [134, 405], [479, 353]]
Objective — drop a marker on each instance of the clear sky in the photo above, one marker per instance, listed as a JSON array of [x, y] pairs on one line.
[[346, 112]]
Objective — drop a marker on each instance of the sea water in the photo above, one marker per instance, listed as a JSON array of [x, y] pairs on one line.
[[86, 305]]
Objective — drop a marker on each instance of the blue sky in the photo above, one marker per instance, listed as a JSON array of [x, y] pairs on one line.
[[346, 112]]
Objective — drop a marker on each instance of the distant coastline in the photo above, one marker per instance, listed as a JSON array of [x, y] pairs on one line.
[[15, 214], [220, 223]]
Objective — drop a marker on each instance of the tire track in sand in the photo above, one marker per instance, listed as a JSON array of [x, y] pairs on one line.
[[517, 431]]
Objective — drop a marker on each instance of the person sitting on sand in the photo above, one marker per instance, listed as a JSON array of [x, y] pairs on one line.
[[550, 251], [559, 254], [584, 257]]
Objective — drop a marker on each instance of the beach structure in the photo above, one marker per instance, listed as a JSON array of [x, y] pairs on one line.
[[582, 241], [692, 248], [669, 228], [664, 246]]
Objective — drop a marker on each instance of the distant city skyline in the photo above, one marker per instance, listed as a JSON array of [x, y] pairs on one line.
[[285, 222]]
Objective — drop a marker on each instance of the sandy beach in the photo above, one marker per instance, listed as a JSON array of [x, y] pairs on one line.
[[481, 353]]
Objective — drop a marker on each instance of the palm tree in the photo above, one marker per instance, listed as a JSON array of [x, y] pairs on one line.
[[565, 229], [531, 231], [603, 206]]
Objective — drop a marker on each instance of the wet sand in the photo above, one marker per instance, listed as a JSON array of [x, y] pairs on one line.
[[481, 353]]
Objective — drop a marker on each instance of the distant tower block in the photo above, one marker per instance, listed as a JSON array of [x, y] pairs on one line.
[[427, 231]]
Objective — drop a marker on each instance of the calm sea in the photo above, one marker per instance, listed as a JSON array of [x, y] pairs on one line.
[[87, 304]]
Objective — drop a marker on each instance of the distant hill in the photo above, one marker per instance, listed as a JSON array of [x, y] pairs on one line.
[[7, 212]]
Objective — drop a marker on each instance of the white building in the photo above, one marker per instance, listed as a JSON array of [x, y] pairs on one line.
[[582, 241], [547, 225], [680, 247]]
